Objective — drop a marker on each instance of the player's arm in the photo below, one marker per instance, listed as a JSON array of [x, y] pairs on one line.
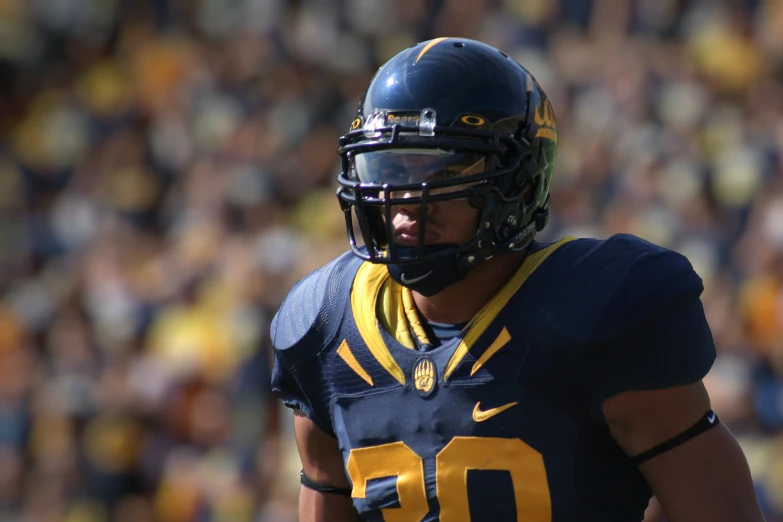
[[300, 331], [704, 478], [322, 463], [649, 391]]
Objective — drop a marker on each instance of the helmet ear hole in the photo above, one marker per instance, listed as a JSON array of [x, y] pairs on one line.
[[520, 179], [529, 192], [480, 197], [505, 159], [541, 219]]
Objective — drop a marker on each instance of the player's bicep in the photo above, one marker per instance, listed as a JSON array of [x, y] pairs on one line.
[[704, 479], [701, 478], [641, 420], [322, 462]]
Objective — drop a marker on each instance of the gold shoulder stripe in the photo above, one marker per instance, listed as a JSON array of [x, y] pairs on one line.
[[490, 311], [364, 295], [503, 338], [345, 353], [429, 46]]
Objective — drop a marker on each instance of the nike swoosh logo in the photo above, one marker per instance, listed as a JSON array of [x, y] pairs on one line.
[[481, 416], [711, 418], [415, 279]]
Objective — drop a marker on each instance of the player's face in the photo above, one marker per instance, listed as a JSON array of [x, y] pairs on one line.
[[447, 222]]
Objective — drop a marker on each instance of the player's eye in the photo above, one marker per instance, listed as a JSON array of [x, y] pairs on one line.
[[446, 174], [393, 174]]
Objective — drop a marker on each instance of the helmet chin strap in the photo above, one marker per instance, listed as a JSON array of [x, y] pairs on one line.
[[428, 277]]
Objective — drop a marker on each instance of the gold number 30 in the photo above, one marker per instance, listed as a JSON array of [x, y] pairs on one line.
[[526, 466]]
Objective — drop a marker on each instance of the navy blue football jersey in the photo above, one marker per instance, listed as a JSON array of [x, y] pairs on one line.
[[503, 422]]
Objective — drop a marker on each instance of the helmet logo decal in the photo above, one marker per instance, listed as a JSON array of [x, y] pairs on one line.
[[476, 121], [405, 119], [546, 122], [429, 46], [424, 376], [414, 280], [356, 123]]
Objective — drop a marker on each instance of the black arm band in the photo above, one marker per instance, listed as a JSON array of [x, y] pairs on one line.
[[323, 488], [709, 421]]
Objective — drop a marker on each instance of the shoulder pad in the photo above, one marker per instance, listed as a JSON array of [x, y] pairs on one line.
[[311, 312], [605, 287]]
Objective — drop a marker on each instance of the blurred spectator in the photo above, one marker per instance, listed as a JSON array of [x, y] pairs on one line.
[[166, 174]]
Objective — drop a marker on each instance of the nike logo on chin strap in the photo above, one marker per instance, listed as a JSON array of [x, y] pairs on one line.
[[407, 281], [481, 416]]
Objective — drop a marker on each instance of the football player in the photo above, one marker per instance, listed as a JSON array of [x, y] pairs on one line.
[[452, 368]]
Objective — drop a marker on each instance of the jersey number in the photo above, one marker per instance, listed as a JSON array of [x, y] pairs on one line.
[[526, 466]]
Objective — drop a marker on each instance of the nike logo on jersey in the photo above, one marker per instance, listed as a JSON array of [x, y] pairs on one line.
[[481, 416], [407, 281]]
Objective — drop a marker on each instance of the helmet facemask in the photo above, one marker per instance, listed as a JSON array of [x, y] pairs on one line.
[[387, 167]]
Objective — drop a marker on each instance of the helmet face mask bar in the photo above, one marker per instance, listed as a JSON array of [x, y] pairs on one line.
[[490, 143]]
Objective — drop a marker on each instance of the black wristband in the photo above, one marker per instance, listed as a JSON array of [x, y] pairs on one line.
[[322, 488]]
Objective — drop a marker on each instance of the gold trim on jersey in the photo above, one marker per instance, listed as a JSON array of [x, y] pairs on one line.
[[412, 315], [367, 286], [397, 313], [345, 353], [390, 311], [378, 302], [502, 339], [481, 321]]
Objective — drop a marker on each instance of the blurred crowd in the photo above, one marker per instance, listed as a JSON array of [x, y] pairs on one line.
[[167, 172]]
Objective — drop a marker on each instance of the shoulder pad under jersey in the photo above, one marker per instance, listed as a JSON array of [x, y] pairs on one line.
[[604, 287], [311, 312]]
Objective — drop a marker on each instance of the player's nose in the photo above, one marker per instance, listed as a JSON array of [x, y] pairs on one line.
[[411, 203]]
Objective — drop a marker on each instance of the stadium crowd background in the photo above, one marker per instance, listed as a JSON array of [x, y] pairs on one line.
[[167, 172]]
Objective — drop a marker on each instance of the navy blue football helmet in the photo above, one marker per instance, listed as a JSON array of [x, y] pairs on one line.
[[448, 119]]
